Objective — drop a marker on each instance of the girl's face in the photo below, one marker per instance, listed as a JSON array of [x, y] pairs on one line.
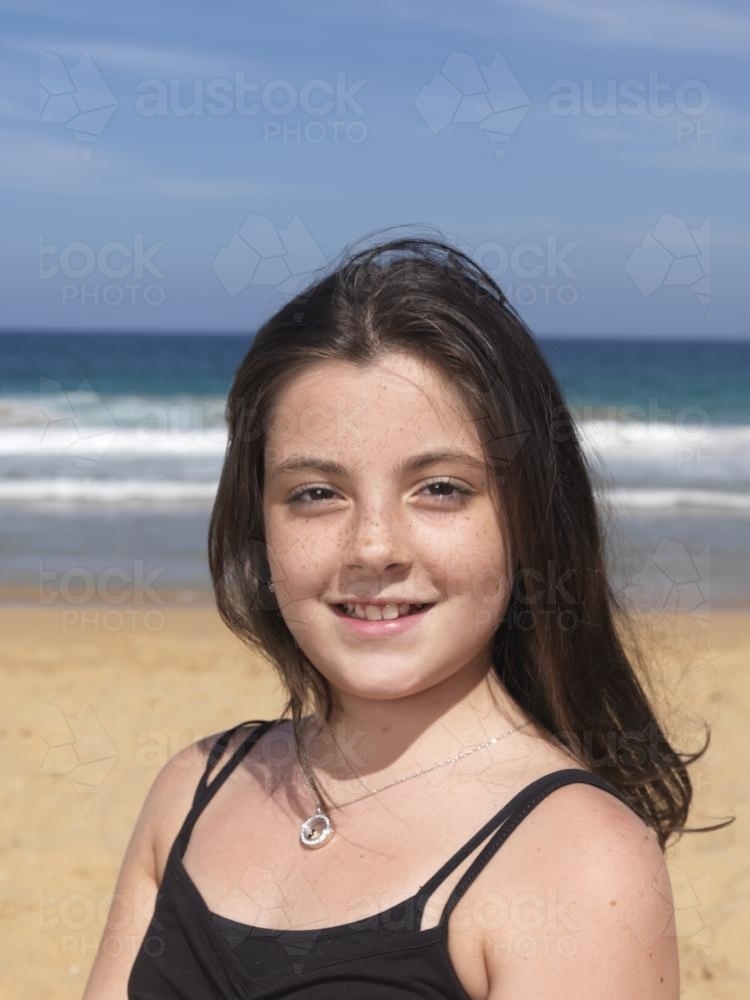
[[355, 508]]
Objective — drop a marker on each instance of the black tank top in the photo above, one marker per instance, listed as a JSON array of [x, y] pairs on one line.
[[190, 953]]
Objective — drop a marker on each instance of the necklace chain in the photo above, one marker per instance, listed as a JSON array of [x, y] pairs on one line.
[[426, 770]]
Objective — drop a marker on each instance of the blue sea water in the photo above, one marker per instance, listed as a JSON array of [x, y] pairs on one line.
[[111, 445]]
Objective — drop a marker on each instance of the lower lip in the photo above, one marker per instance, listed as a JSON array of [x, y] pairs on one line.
[[381, 628]]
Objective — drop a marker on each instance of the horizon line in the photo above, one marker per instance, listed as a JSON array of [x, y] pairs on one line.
[[541, 335]]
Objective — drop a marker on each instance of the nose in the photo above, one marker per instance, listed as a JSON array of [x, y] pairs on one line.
[[378, 540]]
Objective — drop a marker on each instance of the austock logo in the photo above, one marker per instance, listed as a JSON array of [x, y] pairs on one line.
[[66, 416], [76, 97], [113, 267], [674, 254], [673, 580], [461, 92], [76, 747], [261, 254]]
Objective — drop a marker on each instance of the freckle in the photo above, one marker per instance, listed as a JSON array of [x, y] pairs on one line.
[[613, 902], [661, 979]]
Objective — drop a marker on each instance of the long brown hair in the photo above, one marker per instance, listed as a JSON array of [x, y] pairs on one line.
[[561, 655]]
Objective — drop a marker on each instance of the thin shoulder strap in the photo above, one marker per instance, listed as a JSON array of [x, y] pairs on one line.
[[204, 791], [512, 813], [218, 749]]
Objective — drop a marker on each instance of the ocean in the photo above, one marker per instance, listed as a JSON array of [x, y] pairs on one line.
[[111, 445]]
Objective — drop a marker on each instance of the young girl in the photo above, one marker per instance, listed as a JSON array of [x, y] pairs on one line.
[[468, 794]]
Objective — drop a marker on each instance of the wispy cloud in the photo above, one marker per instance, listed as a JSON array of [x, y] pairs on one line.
[[215, 188], [718, 140], [665, 24], [508, 230], [143, 59], [12, 107], [696, 157], [40, 163], [586, 233]]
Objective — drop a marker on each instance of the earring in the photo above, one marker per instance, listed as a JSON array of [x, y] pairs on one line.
[[270, 585]]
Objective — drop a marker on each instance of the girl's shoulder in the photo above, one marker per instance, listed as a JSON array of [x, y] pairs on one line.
[[602, 882], [172, 793], [577, 818]]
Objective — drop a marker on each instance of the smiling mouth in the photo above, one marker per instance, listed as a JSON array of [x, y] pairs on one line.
[[402, 611]]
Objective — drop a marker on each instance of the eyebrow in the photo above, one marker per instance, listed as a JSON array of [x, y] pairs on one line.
[[416, 462]]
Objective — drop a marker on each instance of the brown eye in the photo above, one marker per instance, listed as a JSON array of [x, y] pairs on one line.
[[449, 490], [308, 491], [453, 490]]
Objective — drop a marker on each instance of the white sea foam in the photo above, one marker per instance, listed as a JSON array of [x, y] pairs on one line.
[[641, 443], [82, 423], [675, 499], [114, 491], [169, 450], [94, 442], [110, 491], [624, 436]]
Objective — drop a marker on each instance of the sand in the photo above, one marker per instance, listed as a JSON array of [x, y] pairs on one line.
[[140, 684]]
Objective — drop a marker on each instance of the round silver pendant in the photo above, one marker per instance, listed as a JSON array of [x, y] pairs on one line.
[[316, 830]]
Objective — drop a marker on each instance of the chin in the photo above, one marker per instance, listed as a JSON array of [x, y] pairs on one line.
[[381, 685]]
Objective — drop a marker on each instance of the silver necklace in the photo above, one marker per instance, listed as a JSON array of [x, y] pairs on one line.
[[318, 829]]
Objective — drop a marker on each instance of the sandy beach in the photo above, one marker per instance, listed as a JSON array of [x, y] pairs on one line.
[[136, 688]]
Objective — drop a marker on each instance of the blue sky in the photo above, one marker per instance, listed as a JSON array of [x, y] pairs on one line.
[[592, 154]]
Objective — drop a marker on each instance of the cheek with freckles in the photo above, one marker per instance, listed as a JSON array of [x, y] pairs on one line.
[[305, 563], [474, 562]]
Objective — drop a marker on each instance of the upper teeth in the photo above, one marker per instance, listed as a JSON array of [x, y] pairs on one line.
[[374, 612]]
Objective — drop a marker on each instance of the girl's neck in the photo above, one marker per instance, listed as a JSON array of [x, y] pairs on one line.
[[388, 739]]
